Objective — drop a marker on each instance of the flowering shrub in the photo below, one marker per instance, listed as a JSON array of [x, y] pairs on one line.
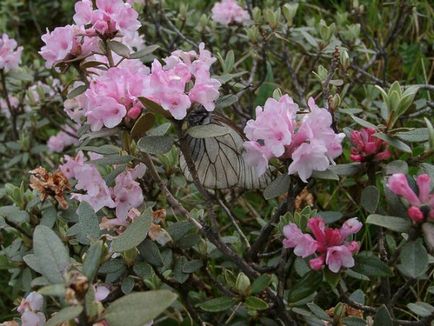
[[193, 162]]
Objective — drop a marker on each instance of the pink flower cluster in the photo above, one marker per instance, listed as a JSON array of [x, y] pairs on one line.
[[4, 109], [277, 132], [111, 18], [10, 55], [329, 244], [64, 138], [113, 96], [66, 43], [421, 206], [167, 85], [368, 147], [226, 12], [30, 308], [125, 195]]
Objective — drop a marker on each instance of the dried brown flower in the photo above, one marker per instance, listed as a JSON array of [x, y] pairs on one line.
[[50, 185], [305, 198]]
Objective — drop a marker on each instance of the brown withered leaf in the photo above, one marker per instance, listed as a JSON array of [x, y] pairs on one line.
[[157, 233], [159, 216], [50, 185], [305, 198], [348, 311]]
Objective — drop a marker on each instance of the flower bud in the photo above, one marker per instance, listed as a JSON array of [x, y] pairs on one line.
[[242, 284], [289, 11], [415, 214]]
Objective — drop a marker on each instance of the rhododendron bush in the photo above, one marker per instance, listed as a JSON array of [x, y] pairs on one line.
[[203, 162]]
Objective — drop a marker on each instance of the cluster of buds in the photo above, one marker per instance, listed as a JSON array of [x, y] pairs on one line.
[[367, 147]]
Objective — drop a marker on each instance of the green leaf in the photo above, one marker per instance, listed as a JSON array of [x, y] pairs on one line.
[[57, 290], [88, 223], [414, 136], [422, 309], [346, 169], [151, 253], [119, 48], [354, 321], [77, 91], [217, 304], [207, 131], [33, 262], [383, 317], [428, 233], [370, 198], [260, 283], [192, 266], [371, 266], [155, 144], [112, 160], [142, 125], [161, 130], [135, 233], [92, 260], [414, 259], [53, 258], [226, 101], [318, 311], [144, 52], [305, 287], [64, 315], [154, 107], [393, 223], [127, 285], [326, 175], [395, 142], [104, 149], [279, 186], [136, 309], [14, 214], [254, 303], [363, 123]]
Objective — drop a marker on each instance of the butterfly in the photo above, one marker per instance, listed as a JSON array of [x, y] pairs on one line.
[[218, 159]]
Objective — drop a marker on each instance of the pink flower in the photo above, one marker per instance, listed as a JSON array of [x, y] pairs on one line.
[[10, 54], [101, 292], [70, 164], [421, 205], [109, 17], [329, 244], [368, 147], [30, 318], [274, 124], [338, 257], [304, 245], [33, 302], [65, 43], [112, 96], [310, 143], [229, 11], [4, 109], [63, 139], [127, 192], [256, 156], [205, 91]]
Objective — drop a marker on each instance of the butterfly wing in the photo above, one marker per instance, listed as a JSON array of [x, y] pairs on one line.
[[220, 164]]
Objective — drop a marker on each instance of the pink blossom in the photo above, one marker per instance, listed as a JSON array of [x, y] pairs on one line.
[[229, 11], [30, 318], [10, 54], [368, 147], [309, 142], [63, 139], [205, 91], [70, 164], [421, 205], [338, 257], [257, 156], [65, 43], [109, 17], [33, 302], [127, 192], [274, 124], [4, 108], [101, 292], [111, 96], [329, 244]]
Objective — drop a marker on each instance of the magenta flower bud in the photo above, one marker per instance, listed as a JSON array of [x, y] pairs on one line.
[[424, 184], [317, 263], [415, 214]]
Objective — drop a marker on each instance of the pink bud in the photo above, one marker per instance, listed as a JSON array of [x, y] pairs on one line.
[[415, 214], [424, 183], [134, 112], [398, 184], [317, 263]]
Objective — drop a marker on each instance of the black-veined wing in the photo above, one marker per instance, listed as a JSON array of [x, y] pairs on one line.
[[219, 161]]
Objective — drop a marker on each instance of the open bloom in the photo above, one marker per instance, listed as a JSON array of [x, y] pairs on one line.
[[365, 146], [226, 12], [421, 205], [30, 308], [65, 43], [10, 54], [108, 18], [278, 132], [330, 245], [64, 138]]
